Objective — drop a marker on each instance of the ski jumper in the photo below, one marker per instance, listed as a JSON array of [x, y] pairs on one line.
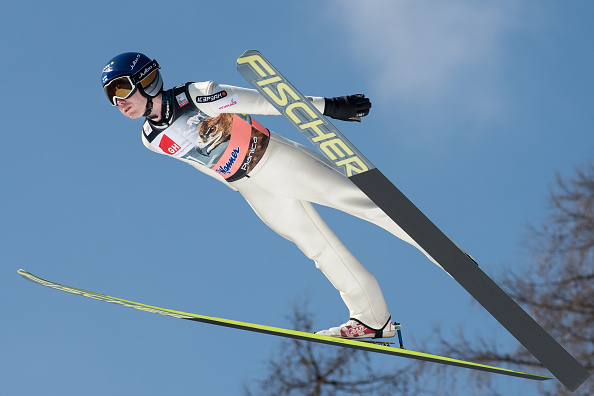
[[207, 126]]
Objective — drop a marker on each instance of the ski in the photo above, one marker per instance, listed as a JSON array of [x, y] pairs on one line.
[[259, 72], [300, 335]]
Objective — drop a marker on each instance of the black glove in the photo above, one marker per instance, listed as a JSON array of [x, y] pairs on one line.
[[347, 108]]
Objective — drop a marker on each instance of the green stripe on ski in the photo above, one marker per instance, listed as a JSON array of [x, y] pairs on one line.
[[280, 331]]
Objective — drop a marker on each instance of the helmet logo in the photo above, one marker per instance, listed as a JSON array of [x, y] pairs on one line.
[[108, 68], [134, 63]]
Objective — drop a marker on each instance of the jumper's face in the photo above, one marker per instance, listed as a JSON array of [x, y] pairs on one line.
[[133, 106]]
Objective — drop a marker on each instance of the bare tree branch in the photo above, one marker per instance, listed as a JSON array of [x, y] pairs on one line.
[[557, 288]]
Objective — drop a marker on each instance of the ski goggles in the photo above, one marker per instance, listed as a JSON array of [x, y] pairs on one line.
[[123, 87]]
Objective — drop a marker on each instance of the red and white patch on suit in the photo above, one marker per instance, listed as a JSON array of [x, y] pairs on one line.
[[168, 145]]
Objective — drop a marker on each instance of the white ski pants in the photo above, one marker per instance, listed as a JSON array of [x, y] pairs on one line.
[[281, 190]]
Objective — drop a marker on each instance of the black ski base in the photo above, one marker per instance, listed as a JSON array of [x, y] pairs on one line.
[[465, 271]]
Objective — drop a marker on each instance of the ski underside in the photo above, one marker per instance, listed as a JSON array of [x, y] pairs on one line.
[[300, 335], [289, 101]]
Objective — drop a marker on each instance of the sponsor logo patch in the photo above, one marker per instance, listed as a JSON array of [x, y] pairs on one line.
[[229, 102], [226, 169], [169, 146], [250, 155], [211, 98], [182, 99]]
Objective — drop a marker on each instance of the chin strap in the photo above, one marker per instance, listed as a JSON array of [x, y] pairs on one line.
[[149, 107]]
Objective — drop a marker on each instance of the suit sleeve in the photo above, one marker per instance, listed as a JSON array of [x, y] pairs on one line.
[[215, 99]]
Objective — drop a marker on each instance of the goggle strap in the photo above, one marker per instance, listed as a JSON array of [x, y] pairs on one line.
[[145, 71]]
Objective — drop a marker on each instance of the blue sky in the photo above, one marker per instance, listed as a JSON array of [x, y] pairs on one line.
[[476, 105]]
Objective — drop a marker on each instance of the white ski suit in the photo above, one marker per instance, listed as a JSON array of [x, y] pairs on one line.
[[280, 179]]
